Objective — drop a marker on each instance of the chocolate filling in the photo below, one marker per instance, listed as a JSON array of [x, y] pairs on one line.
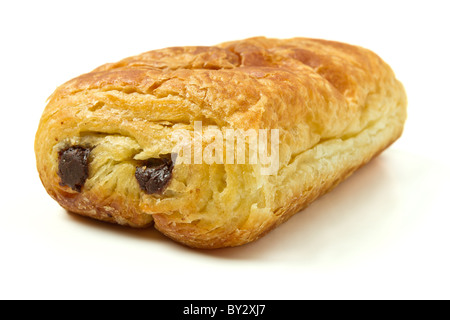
[[74, 167], [155, 174]]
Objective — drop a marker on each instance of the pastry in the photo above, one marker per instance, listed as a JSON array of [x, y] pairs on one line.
[[108, 143]]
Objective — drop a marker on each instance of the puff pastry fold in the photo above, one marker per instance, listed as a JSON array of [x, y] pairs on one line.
[[105, 142]]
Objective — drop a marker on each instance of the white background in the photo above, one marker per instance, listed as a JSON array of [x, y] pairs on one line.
[[384, 233]]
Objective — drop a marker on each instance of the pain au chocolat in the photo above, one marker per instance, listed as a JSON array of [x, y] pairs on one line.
[[106, 147]]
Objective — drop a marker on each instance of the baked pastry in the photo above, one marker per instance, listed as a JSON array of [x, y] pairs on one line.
[[106, 140]]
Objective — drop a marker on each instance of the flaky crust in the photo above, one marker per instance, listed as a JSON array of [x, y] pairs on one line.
[[336, 106]]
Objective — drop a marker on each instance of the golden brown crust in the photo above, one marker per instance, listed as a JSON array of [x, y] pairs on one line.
[[336, 107]]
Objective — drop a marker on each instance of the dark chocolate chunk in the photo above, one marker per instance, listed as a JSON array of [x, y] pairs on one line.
[[155, 174], [74, 167]]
